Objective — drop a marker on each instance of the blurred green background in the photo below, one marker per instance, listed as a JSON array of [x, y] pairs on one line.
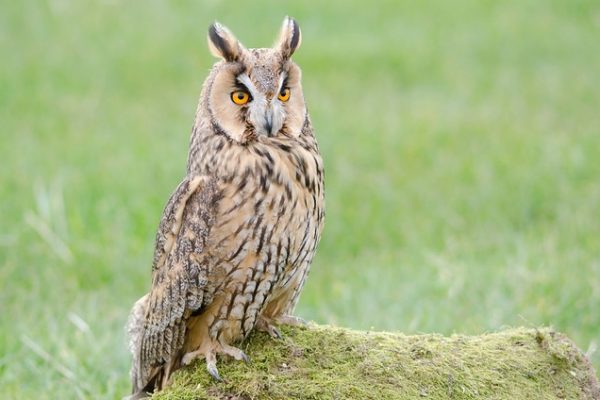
[[462, 149]]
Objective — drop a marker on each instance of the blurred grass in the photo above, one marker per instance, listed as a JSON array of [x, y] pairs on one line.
[[461, 141]]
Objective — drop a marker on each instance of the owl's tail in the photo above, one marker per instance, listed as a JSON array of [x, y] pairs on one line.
[[144, 378], [135, 331]]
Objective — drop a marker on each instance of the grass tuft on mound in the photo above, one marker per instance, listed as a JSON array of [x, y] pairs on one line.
[[323, 362]]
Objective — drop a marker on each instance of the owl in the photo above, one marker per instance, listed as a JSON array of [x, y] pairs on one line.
[[238, 234]]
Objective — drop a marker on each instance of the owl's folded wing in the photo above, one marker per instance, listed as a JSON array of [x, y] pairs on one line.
[[178, 279], [170, 223]]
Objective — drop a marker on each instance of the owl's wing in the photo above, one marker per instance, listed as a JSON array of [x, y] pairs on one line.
[[178, 278]]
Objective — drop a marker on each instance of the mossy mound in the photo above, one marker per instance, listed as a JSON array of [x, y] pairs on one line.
[[322, 362]]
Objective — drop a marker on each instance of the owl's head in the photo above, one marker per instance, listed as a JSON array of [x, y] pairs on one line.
[[255, 93]]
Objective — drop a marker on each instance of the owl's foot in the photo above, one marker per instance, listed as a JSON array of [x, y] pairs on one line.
[[236, 353], [267, 325], [290, 320], [211, 358], [211, 361]]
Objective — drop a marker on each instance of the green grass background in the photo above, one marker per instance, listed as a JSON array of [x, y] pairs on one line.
[[462, 149]]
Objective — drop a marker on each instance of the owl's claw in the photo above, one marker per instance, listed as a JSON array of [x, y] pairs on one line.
[[265, 325], [235, 353], [211, 358], [214, 372], [211, 363], [211, 366], [245, 358], [274, 332]]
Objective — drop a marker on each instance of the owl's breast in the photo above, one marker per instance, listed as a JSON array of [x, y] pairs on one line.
[[271, 195], [270, 214]]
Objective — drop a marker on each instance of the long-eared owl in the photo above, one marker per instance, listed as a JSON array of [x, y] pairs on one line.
[[238, 234]]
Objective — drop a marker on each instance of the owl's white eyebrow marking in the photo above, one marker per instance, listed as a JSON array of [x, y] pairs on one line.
[[245, 80], [282, 79]]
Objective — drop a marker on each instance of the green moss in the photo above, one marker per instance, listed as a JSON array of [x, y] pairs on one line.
[[322, 362]]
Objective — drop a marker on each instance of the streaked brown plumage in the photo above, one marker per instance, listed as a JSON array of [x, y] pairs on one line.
[[237, 237]]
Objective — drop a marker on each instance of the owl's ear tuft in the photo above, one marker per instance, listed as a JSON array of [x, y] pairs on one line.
[[222, 43], [290, 37]]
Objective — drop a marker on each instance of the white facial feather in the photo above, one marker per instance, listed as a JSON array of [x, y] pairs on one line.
[[266, 113]]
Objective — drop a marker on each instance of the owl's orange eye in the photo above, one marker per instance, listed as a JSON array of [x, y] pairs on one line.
[[284, 94], [240, 97]]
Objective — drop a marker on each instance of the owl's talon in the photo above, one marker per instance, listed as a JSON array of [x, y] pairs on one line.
[[265, 325], [235, 353], [211, 366], [214, 372], [274, 332], [245, 358], [211, 358]]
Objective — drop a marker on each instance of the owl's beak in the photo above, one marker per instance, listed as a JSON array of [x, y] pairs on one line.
[[269, 121]]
